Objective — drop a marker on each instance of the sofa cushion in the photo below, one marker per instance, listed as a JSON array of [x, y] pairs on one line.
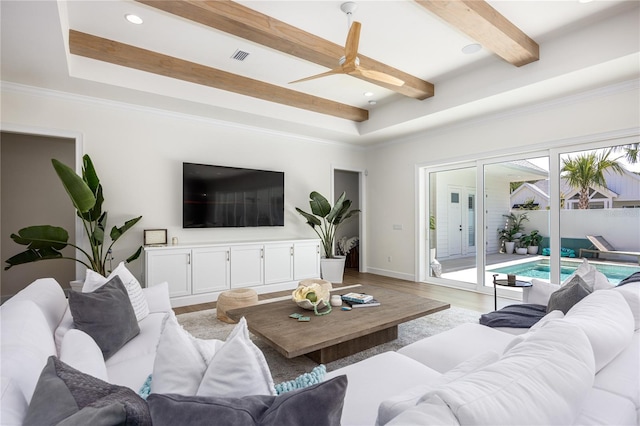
[[158, 297], [66, 324], [27, 343], [568, 295], [395, 405], [379, 377], [81, 352], [622, 375], [552, 369], [606, 319], [106, 315], [444, 351], [94, 280], [606, 408], [320, 405], [631, 293], [64, 394], [133, 363], [47, 294]]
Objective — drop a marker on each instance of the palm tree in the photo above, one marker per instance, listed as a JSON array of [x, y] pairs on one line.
[[587, 170], [631, 152]]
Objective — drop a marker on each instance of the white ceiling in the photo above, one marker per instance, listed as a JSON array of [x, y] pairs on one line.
[[582, 46]]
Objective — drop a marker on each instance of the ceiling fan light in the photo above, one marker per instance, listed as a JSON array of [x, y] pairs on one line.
[[134, 19], [368, 94], [471, 48]]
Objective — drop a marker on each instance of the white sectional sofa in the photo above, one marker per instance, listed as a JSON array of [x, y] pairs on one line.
[[581, 368], [37, 323]]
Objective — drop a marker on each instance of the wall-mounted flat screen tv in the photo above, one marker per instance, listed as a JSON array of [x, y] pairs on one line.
[[219, 197]]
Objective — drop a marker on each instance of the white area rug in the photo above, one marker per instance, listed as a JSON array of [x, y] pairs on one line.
[[205, 325]]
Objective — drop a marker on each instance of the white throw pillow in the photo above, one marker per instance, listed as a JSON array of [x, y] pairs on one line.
[[179, 365], [238, 368], [94, 280], [81, 352], [607, 320], [539, 292], [543, 380], [594, 279]]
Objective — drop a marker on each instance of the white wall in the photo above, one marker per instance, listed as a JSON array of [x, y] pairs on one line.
[[138, 155], [392, 166]]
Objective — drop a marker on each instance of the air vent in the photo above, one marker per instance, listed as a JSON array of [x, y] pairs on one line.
[[240, 55]]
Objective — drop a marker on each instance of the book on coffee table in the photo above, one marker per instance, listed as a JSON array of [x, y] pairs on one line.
[[370, 303], [357, 297]]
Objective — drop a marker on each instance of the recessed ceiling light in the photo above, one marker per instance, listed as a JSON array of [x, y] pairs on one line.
[[471, 48], [585, 1], [134, 19], [368, 94]]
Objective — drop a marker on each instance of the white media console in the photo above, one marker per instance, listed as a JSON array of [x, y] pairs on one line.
[[198, 273]]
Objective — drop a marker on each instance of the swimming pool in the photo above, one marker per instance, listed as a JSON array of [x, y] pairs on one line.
[[540, 269]]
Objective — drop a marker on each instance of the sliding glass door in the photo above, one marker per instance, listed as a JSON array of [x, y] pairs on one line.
[[538, 215]]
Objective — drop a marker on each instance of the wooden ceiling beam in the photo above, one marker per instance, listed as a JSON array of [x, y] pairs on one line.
[[246, 23], [487, 26], [102, 49]]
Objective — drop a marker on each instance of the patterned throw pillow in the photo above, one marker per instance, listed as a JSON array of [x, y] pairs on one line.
[[94, 280]]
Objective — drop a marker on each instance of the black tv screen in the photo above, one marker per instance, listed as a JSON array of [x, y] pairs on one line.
[[218, 196]]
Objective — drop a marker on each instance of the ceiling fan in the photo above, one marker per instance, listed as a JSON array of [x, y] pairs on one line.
[[349, 63]]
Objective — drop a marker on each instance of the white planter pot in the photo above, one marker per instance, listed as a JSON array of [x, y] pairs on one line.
[[509, 246], [332, 269], [521, 250], [532, 249]]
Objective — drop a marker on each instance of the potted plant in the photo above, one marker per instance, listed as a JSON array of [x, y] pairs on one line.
[[325, 220], [45, 242], [507, 238], [532, 241]]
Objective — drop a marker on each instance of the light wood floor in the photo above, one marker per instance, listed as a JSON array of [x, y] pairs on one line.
[[460, 298]]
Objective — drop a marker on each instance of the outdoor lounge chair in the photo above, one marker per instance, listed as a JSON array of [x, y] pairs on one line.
[[601, 246]]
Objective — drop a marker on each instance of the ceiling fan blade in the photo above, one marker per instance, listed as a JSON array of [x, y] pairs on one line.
[[351, 46], [378, 76], [324, 74]]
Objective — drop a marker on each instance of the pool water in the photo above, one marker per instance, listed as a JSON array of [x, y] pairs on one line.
[[541, 270]]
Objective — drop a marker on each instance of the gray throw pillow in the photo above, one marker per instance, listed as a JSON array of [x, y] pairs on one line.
[[568, 295], [65, 396], [317, 405], [106, 315]]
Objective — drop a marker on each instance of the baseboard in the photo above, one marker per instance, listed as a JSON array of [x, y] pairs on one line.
[[391, 274]]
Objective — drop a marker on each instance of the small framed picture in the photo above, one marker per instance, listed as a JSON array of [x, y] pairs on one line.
[[155, 237]]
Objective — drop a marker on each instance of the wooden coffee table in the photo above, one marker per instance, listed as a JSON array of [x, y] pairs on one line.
[[339, 334]]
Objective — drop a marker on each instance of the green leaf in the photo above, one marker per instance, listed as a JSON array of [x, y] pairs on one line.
[[311, 219], [135, 255], [29, 256], [89, 175], [117, 232], [81, 195], [319, 205], [42, 236], [337, 208]]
